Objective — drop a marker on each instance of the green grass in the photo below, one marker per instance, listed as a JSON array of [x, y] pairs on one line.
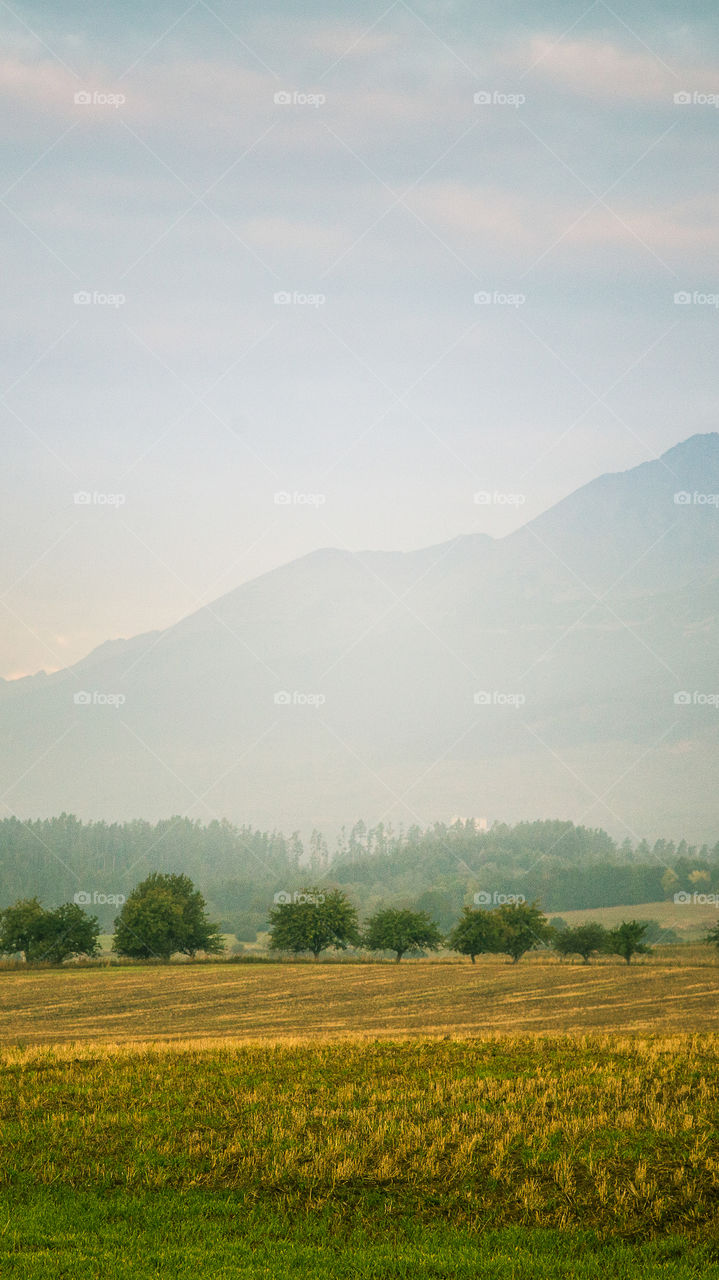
[[225, 1236], [499, 1157]]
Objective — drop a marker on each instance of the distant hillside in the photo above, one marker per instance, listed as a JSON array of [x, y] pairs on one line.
[[689, 922], [530, 675]]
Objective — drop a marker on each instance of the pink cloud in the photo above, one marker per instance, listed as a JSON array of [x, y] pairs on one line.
[[601, 70]]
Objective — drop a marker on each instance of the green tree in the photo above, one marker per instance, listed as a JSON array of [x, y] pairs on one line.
[[53, 936], [583, 940], [314, 921], [522, 927], [70, 931], [475, 933], [627, 940], [401, 931], [21, 929], [163, 915], [712, 935]]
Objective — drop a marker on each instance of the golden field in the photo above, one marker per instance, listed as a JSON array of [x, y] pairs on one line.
[[675, 991]]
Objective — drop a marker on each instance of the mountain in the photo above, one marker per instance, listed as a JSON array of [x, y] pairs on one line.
[[533, 675]]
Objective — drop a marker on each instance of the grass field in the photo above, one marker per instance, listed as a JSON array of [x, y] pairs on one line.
[[427, 1119], [507, 1156], [674, 991], [206, 1236], [690, 919]]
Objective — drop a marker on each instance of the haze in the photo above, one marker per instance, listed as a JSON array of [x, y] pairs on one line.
[[582, 191]]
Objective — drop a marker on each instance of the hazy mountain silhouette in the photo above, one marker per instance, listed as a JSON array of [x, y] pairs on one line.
[[579, 628]]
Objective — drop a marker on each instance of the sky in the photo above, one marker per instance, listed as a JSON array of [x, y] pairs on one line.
[[279, 277]]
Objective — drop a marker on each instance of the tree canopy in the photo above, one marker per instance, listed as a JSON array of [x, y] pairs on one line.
[[316, 920], [627, 939], [401, 931], [582, 940], [165, 914], [29, 929], [475, 933], [522, 927]]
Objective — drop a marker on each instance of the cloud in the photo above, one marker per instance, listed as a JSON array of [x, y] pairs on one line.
[[32, 89], [686, 229], [602, 71], [495, 223], [345, 41], [476, 211]]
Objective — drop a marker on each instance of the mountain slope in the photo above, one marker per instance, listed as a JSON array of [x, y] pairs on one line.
[[514, 677]]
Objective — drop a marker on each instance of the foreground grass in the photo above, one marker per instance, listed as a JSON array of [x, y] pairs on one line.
[[503, 1156], [221, 1236], [544, 1132]]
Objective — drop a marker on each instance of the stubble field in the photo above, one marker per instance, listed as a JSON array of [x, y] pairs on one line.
[[508, 1156], [372, 1121], [675, 992]]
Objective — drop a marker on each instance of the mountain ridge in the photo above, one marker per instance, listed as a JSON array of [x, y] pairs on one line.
[[470, 541], [324, 689]]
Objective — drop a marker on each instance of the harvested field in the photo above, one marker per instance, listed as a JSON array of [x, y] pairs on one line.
[[191, 1002]]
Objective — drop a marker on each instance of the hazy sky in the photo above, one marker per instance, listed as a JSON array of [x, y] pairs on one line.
[[576, 194]]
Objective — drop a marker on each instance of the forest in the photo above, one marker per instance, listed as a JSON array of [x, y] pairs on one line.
[[439, 869]]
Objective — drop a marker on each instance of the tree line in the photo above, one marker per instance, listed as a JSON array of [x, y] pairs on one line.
[[167, 915], [319, 921], [435, 869]]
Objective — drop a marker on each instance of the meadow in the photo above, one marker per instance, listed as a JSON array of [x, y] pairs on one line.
[[504, 1155], [373, 1120], [689, 921]]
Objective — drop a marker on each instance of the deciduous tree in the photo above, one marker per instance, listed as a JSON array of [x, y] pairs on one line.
[[316, 920], [475, 933], [627, 940], [401, 931], [163, 915]]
